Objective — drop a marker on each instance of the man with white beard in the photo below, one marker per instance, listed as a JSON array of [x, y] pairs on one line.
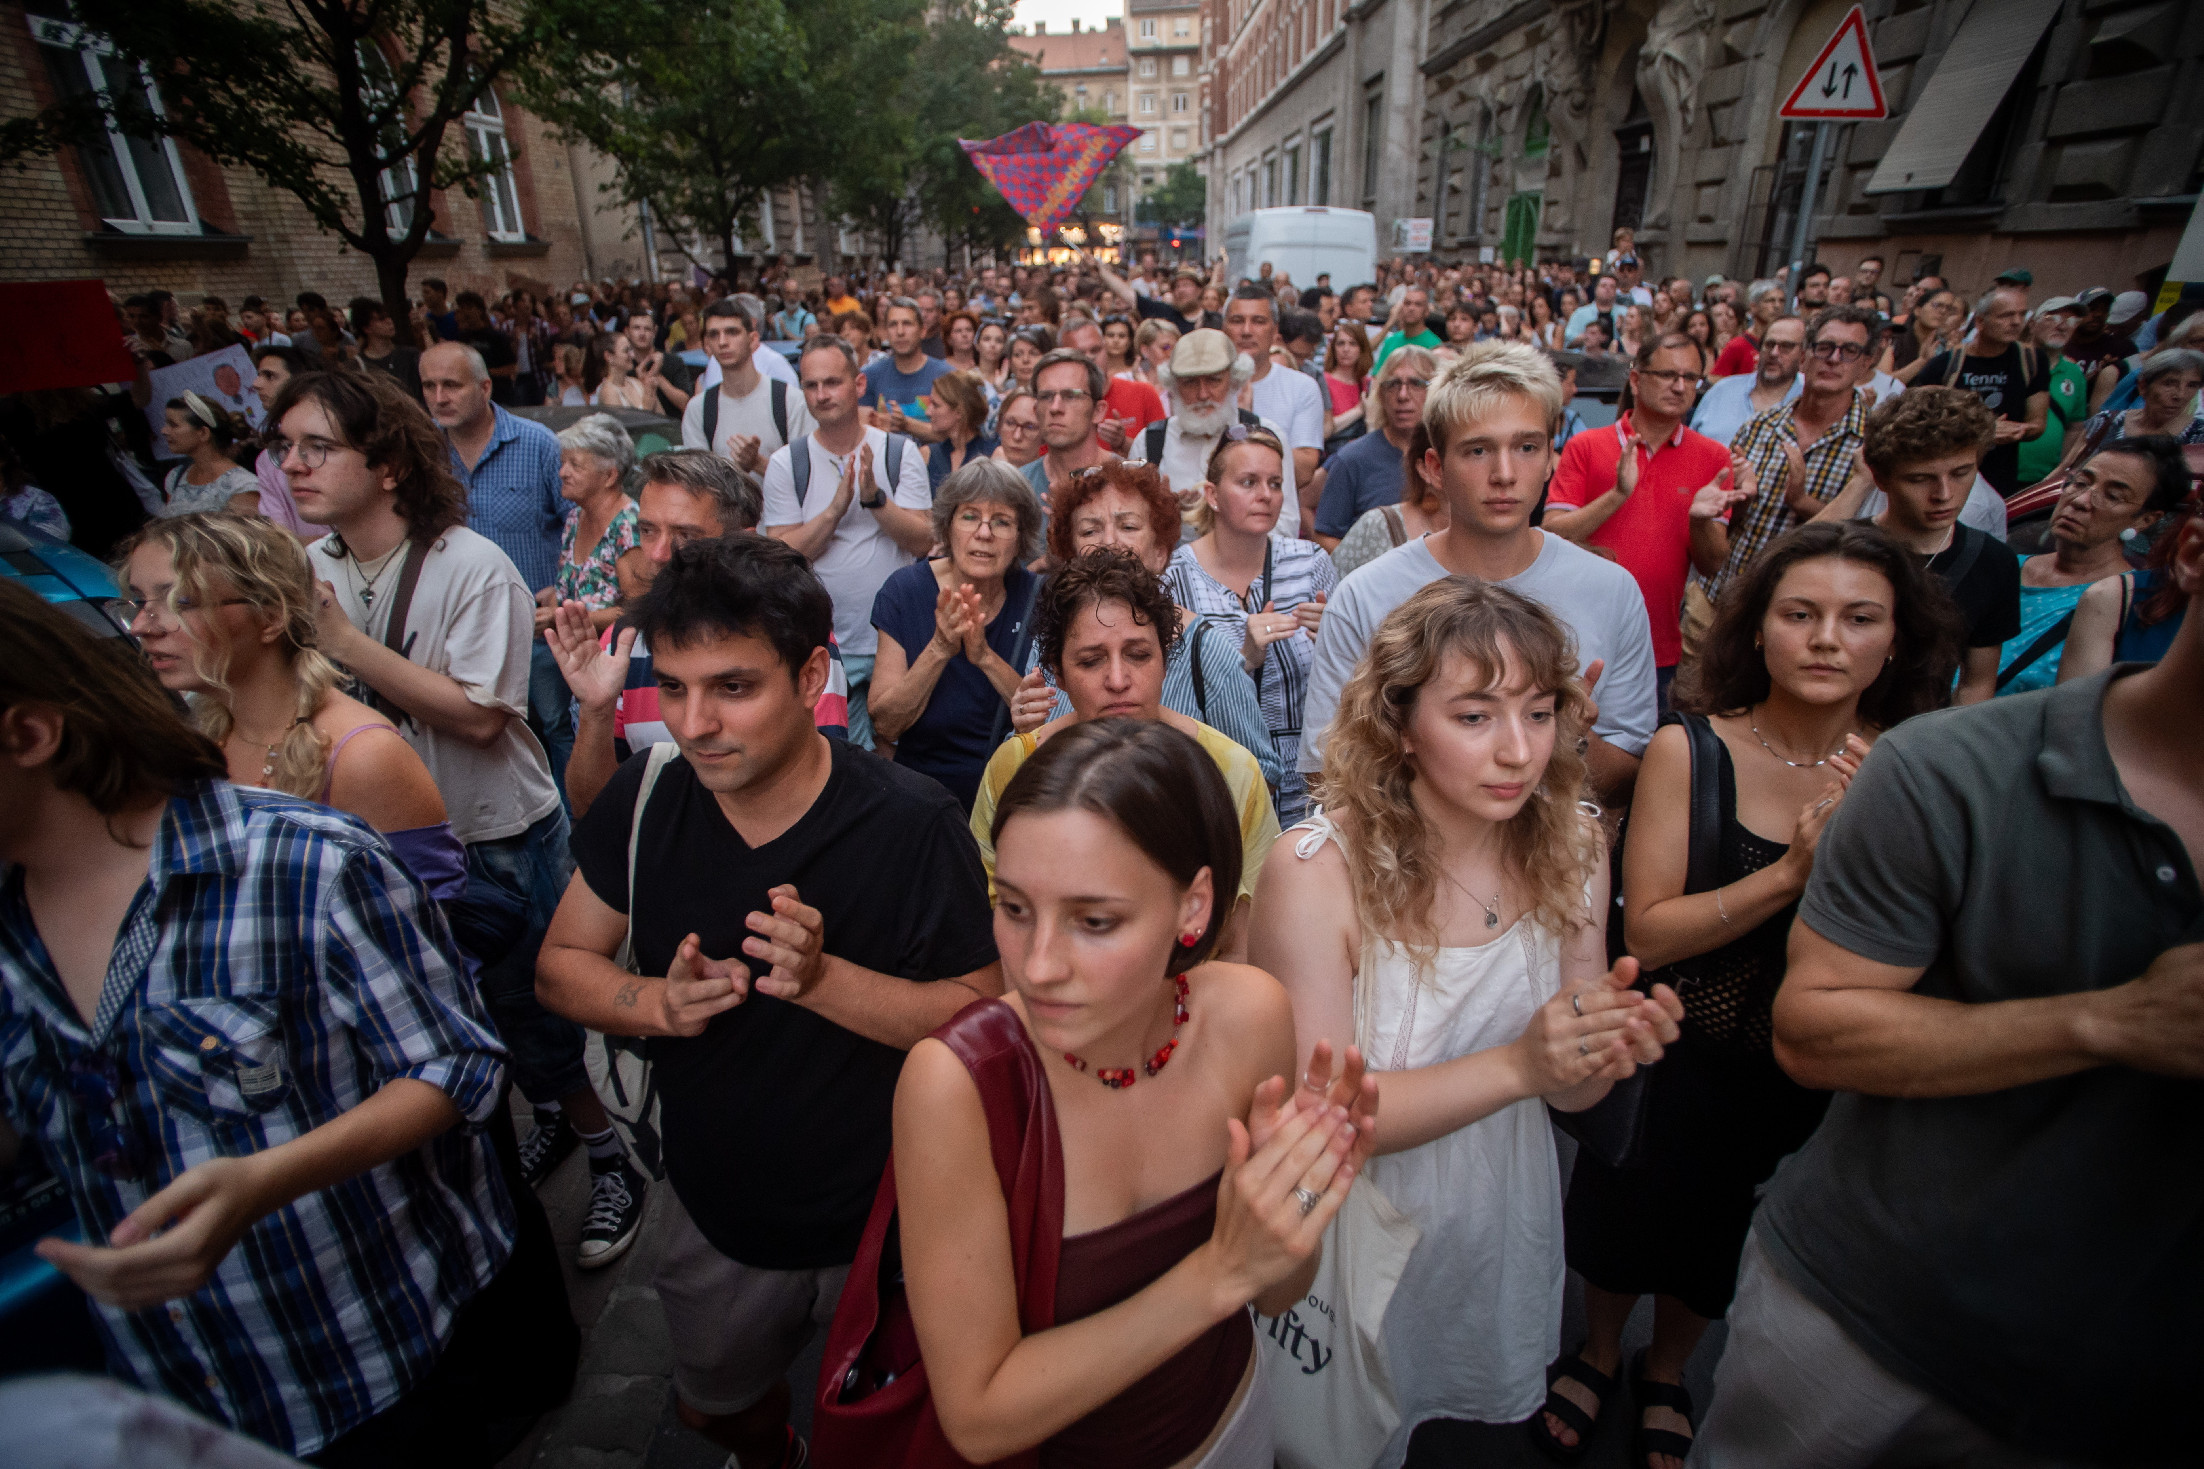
[[1201, 383]]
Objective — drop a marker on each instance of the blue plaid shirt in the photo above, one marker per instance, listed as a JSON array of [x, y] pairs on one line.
[[278, 968], [513, 495]]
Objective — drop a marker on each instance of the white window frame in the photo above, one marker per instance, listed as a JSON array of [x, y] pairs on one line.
[[397, 182], [1179, 27], [1147, 142], [1178, 101], [89, 48], [1182, 66], [1147, 66], [488, 142], [1147, 104], [1178, 140], [1147, 30], [1109, 102], [1109, 198]]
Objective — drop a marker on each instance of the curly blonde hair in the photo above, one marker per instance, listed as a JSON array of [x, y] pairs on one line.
[[218, 554], [1550, 848]]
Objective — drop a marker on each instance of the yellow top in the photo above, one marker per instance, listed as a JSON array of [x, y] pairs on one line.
[[1242, 776]]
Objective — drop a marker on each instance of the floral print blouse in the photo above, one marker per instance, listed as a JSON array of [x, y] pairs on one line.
[[591, 578]]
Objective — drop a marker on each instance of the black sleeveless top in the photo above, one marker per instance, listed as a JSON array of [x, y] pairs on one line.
[[1729, 993]]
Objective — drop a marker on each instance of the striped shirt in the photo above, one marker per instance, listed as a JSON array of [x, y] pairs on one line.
[[1755, 526], [1298, 571], [278, 968]]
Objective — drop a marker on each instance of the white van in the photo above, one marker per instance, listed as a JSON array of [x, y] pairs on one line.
[[1303, 241]]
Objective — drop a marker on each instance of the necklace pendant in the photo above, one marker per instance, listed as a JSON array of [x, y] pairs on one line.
[[367, 596], [1492, 919]]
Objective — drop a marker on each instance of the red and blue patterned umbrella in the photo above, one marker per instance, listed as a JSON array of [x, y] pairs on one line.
[[1045, 168]]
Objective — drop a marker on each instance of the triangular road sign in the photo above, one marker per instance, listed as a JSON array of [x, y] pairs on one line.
[[1842, 82]]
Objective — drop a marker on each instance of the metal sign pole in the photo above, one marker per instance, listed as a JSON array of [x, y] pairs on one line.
[[1806, 201]]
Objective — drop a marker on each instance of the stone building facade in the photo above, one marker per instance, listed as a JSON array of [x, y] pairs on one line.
[[2059, 135], [140, 214], [1163, 51]]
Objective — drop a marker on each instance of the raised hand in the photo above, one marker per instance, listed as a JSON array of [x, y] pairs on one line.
[[1032, 704], [975, 625], [1590, 680], [867, 487], [743, 449], [1626, 467], [792, 938], [697, 988], [1605, 1030], [1264, 628], [1353, 1088], [1263, 1234], [1310, 614], [1714, 498], [1112, 432], [948, 621], [594, 674]]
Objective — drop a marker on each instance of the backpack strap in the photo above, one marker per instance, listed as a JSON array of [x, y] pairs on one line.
[[1250, 419], [1701, 865], [1396, 528], [1151, 441], [394, 630], [662, 754], [2050, 638], [779, 392], [711, 416], [1194, 636], [799, 466], [896, 443]]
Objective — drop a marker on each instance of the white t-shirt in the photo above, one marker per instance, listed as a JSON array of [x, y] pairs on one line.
[[861, 555], [1292, 399], [473, 621], [750, 414], [1596, 599], [1185, 464]]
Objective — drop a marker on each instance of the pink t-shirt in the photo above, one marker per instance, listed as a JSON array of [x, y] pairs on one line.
[[276, 502], [1651, 534], [1344, 395]]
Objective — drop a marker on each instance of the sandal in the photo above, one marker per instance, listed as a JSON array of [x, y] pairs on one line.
[[1576, 1370], [1646, 1442]]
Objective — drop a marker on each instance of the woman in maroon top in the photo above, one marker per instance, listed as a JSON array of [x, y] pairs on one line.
[[1192, 1186]]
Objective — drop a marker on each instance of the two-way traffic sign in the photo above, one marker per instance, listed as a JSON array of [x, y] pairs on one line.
[[1842, 83]]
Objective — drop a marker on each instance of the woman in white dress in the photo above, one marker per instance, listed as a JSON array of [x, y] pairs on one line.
[[1444, 911]]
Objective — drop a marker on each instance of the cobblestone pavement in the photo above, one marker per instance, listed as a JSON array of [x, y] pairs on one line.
[[621, 1415]]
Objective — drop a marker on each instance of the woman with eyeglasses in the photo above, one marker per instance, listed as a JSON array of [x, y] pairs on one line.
[[1268, 589], [223, 608], [954, 629], [1018, 429]]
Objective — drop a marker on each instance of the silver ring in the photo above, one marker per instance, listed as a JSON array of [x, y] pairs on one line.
[[1308, 1198], [1576, 1003], [1582, 1050]]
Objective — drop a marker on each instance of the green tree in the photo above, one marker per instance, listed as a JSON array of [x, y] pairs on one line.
[[351, 106], [706, 106], [1180, 201], [964, 81]]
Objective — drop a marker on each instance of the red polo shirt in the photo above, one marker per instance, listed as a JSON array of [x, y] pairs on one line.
[[1651, 534]]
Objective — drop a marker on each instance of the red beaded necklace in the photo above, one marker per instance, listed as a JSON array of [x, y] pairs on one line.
[[1117, 1078]]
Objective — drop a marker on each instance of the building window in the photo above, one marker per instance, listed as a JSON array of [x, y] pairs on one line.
[[1179, 28], [1109, 198], [485, 124], [137, 184], [1373, 142], [1320, 167], [377, 87], [1178, 140], [1270, 182], [1182, 66], [1293, 173], [1147, 30], [1147, 104], [1147, 66], [1178, 101], [1109, 102]]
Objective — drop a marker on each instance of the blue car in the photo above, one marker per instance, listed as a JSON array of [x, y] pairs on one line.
[[44, 1323]]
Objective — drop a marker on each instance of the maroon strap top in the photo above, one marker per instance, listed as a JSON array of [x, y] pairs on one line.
[[1165, 1416]]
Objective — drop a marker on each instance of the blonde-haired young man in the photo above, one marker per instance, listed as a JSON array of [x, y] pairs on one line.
[[1491, 415]]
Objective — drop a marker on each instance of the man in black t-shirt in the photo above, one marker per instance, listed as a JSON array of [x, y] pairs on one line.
[[1924, 449], [2013, 381], [803, 912], [1183, 310], [479, 332]]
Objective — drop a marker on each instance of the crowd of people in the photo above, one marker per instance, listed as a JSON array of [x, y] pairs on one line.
[[1084, 817]]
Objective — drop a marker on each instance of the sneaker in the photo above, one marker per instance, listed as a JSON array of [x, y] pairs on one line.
[[615, 1213], [546, 1148], [798, 1455]]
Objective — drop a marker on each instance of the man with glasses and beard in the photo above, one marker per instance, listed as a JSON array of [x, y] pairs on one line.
[[1652, 492]]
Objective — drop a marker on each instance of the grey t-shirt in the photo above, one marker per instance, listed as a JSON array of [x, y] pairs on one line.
[[1598, 601], [2034, 1256]]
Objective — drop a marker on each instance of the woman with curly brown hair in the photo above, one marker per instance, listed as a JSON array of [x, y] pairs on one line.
[[1127, 507], [1445, 911], [1834, 634]]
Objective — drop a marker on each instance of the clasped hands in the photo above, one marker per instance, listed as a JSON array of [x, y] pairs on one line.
[[791, 939]]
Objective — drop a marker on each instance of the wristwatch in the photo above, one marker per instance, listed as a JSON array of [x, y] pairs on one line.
[[874, 504]]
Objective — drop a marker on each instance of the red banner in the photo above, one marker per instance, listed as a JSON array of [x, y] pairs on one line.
[[64, 336]]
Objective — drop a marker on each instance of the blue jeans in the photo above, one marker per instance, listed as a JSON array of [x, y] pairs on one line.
[[533, 868], [857, 668], [551, 711]]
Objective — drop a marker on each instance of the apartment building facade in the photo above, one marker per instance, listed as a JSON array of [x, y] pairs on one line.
[[1163, 49]]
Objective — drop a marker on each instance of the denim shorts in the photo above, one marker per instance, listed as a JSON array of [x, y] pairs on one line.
[[533, 868]]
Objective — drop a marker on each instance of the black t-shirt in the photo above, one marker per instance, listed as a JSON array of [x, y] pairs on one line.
[[777, 1120], [1985, 584], [2004, 389], [497, 351], [1146, 307], [402, 366]]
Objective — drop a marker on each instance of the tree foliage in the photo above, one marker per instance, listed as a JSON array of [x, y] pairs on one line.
[[351, 106], [1180, 201], [707, 106], [965, 81]]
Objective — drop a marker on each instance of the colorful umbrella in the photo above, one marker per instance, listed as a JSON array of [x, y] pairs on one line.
[[1045, 168]]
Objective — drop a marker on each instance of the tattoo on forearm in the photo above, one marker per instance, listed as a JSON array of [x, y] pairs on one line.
[[629, 994]]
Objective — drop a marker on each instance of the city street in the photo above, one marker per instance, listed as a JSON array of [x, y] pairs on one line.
[[622, 1417]]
